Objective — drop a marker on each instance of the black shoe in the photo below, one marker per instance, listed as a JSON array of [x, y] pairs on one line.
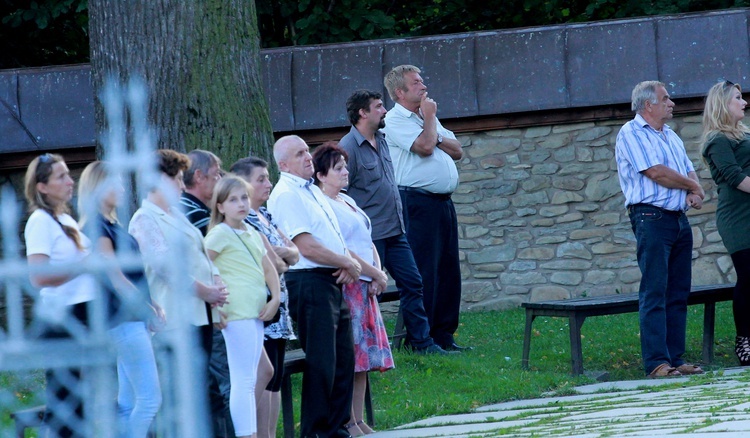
[[455, 347], [433, 349]]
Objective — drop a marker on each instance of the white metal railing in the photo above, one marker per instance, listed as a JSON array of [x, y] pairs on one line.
[[24, 356]]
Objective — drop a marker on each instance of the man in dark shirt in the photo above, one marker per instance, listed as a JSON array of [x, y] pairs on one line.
[[373, 186], [200, 180]]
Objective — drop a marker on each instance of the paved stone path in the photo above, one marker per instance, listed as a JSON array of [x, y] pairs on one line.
[[712, 405]]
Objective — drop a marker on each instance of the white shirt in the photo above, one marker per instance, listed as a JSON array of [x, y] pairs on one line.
[[436, 173], [356, 229], [639, 147], [172, 246], [43, 235], [298, 206]]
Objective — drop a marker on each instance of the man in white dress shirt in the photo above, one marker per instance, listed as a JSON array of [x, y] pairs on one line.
[[316, 301], [424, 155]]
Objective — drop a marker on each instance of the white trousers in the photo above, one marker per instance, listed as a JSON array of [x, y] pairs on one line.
[[244, 339]]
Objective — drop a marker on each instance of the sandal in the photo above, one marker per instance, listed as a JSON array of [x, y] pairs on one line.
[[688, 368], [664, 370], [353, 429], [742, 350], [366, 429]]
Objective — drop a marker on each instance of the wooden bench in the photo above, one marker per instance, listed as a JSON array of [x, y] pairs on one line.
[[391, 294], [578, 309]]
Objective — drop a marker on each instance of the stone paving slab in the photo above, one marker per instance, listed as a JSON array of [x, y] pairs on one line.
[[715, 405]]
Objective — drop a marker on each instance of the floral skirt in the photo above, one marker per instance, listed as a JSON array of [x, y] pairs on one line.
[[371, 348]]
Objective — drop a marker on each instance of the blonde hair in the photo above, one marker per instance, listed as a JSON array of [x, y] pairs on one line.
[[394, 79], [39, 171], [221, 192], [92, 188], [716, 117]]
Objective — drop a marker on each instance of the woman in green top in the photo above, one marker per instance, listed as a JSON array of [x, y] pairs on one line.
[[726, 149]]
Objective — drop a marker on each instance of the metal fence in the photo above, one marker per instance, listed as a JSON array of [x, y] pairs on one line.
[[25, 354]]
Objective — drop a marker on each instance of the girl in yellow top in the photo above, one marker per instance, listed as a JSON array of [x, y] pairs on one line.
[[238, 252]]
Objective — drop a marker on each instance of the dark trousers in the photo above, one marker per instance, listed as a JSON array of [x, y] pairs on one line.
[[324, 329], [396, 256], [63, 416], [432, 231], [741, 297], [664, 245], [218, 380]]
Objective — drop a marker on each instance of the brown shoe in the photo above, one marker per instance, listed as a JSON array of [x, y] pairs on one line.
[[688, 368], [664, 370]]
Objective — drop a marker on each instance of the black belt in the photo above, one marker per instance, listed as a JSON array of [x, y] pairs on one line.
[[632, 207], [441, 196], [314, 270]]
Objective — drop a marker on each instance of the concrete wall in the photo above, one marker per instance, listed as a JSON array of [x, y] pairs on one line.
[[541, 216]]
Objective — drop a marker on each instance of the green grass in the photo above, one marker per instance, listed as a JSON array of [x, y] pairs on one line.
[[424, 386], [420, 387]]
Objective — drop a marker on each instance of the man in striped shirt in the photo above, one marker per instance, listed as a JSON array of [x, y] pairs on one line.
[[660, 184], [200, 180]]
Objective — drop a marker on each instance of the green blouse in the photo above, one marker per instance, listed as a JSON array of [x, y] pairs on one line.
[[729, 163]]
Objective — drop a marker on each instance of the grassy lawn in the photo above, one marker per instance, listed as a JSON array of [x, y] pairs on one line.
[[422, 387]]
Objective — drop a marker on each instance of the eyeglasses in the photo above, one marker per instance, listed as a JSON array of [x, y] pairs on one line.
[[46, 158], [728, 84]]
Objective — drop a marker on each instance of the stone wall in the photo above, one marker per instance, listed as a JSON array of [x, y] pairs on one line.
[[541, 216]]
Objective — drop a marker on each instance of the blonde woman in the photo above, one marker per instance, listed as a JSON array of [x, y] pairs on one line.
[[726, 149], [52, 239], [139, 393], [239, 253]]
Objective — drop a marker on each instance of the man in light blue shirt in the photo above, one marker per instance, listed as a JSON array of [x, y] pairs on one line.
[[660, 184], [316, 302]]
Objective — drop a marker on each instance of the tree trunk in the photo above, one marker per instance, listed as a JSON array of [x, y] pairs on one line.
[[201, 63]]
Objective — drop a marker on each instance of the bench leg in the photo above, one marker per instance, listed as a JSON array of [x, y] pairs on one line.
[[527, 339], [287, 407], [399, 332], [576, 353], [709, 322]]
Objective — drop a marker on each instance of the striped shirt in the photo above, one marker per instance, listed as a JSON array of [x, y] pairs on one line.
[[196, 211], [639, 147]]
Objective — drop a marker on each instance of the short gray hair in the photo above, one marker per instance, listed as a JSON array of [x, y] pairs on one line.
[[199, 160], [644, 91], [394, 79]]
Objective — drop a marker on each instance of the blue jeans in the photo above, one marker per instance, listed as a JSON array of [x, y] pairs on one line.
[[664, 251], [139, 395], [396, 256]]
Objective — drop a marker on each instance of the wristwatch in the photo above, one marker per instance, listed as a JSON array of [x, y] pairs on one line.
[[440, 139]]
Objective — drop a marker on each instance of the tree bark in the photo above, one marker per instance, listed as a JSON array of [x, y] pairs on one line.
[[200, 61]]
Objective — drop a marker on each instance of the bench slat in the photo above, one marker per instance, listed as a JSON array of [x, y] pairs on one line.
[[578, 309]]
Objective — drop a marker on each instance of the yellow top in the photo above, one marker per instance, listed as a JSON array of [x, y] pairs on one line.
[[240, 266]]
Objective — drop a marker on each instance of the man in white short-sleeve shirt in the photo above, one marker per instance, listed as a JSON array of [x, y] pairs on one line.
[[316, 302], [424, 155]]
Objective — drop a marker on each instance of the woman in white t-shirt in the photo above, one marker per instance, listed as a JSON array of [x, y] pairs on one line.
[[53, 239]]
